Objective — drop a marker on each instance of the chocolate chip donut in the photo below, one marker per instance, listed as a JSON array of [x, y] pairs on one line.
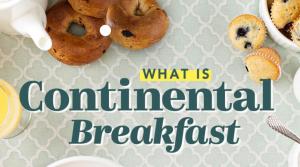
[[247, 32], [137, 24], [69, 48], [94, 8]]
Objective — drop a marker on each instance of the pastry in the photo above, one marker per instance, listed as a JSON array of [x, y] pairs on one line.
[[73, 49], [296, 32], [247, 32], [137, 24], [94, 8], [263, 63], [286, 31], [270, 2], [284, 12]]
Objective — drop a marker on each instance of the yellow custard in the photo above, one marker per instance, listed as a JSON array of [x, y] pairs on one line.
[[10, 110]]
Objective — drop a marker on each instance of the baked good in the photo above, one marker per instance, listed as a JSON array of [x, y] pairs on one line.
[[137, 24], [69, 48], [94, 8], [247, 32], [270, 2], [263, 63], [286, 31], [284, 12], [295, 32]]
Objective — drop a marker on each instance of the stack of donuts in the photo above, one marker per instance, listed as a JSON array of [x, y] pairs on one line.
[[135, 24]]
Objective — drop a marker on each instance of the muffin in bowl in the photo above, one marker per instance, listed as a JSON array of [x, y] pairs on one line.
[[277, 35]]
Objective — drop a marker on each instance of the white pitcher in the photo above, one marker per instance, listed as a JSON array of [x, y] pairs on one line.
[[27, 18]]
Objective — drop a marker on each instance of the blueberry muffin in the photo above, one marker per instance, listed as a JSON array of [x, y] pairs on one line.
[[247, 32], [263, 63], [295, 32], [284, 12]]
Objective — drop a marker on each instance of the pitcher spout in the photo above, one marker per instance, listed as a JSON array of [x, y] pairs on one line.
[[32, 25]]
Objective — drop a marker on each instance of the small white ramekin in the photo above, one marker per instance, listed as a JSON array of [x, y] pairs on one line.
[[84, 161], [294, 156], [274, 33]]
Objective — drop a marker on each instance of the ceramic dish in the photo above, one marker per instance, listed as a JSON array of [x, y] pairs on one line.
[[274, 33], [83, 161], [297, 85], [294, 157]]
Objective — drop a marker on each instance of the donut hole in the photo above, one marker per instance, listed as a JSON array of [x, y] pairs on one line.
[[76, 29]]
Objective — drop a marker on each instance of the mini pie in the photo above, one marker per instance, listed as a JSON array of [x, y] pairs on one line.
[[284, 12], [247, 32], [263, 63]]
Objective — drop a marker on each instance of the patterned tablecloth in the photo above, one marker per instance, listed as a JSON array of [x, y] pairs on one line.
[[197, 38]]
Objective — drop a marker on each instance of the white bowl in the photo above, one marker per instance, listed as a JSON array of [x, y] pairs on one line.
[[296, 85], [83, 161], [274, 33], [294, 160]]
